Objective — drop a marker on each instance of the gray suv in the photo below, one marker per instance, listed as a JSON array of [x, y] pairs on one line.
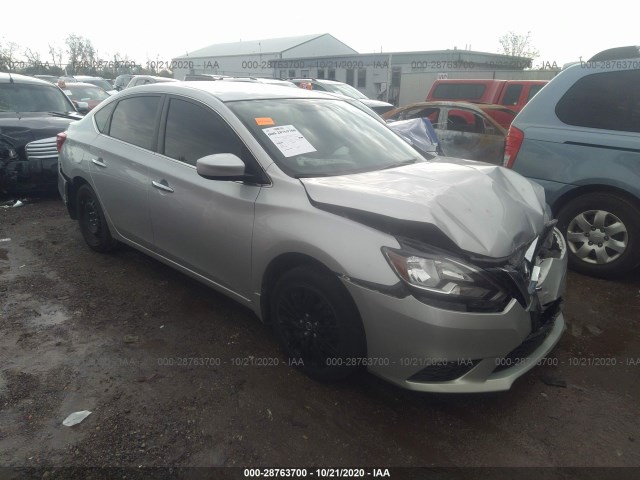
[[579, 137], [436, 274]]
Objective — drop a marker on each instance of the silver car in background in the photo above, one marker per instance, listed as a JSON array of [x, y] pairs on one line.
[[439, 275]]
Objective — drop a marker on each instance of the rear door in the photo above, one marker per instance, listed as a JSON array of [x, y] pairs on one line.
[[119, 161], [204, 225], [468, 134]]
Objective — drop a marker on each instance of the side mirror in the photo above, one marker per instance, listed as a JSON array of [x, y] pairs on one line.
[[221, 166], [82, 107]]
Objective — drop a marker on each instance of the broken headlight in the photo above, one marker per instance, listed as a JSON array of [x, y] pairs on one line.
[[447, 282], [7, 151]]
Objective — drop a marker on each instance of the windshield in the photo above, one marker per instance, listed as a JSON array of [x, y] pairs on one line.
[[344, 89], [82, 94], [21, 97], [316, 137], [103, 84]]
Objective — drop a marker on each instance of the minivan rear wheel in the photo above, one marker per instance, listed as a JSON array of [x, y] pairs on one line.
[[317, 324], [603, 234]]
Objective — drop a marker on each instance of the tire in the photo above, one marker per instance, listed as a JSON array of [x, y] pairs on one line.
[[612, 224], [93, 224], [316, 321]]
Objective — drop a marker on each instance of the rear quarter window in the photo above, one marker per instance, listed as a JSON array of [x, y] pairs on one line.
[[465, 91], [512, 95], [609, 101], [102, 118]]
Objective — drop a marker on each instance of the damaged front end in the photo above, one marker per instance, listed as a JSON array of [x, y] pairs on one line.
[[481, 272], [462, 282], [28, 168]]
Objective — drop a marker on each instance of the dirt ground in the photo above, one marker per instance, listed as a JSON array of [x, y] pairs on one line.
[[113, 334]]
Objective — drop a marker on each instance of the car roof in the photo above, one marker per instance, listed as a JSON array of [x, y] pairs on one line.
[[319, 80], [455, 104], [17, 78], [81, 84], [617, 53], [234, 91], [155, 78]]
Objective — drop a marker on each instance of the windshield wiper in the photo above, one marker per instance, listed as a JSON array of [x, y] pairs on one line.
[[64, 115], [401, 164]]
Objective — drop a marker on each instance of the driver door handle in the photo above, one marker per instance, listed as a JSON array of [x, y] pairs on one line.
[[99, 162], [162, 185]]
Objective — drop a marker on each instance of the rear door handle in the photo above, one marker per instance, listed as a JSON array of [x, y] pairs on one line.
[[99, 162], [162, 185]]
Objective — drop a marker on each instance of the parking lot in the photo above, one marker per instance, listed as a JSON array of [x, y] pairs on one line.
[[176, 374]]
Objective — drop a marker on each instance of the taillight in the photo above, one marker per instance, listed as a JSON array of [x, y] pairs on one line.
[[60, 138], [512, 146]]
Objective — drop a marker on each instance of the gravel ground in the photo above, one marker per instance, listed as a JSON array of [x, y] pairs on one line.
[[84, 331]]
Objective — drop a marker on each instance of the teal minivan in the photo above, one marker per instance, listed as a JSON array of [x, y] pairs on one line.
[[579, 138]]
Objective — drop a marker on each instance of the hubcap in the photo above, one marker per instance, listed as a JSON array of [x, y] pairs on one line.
[[597, 237], [91, 217], [309, 325]]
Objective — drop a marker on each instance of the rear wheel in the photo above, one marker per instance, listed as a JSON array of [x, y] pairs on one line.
[[603, 234], [317, 324], [93, 224]]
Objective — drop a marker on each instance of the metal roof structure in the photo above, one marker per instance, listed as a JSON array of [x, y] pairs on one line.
[[257, 47]]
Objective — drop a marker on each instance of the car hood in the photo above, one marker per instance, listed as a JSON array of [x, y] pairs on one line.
[[484, 210], [369, 102], [31, 126]]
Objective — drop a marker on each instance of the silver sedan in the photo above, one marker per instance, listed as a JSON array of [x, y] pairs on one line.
[[436, 274]]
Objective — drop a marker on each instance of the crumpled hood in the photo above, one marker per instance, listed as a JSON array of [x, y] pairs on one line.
[[19, 131], [483, 209]]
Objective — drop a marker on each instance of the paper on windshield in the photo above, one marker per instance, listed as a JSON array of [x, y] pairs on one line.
[[289, 140]]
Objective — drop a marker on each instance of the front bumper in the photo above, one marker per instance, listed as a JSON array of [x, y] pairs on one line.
[[429, 349]]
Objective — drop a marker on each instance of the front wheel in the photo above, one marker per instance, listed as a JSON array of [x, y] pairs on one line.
[[93, 224], [317, 324], [603, 234]]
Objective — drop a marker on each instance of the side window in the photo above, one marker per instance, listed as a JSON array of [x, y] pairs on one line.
[[421, 112], [465, 91], [512, 95], [465, 121], [350, 76], [609, 101], [532, 91], [134, 121], [193, 132], [362, 77], [102, 118]]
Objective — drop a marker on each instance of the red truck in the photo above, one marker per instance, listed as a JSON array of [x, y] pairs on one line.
[[513, 94]]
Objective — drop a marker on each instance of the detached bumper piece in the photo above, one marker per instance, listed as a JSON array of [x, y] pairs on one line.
[[542, 324]]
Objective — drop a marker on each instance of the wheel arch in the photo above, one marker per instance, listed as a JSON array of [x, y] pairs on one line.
[[277, 267], [72, 193], [579, 191]]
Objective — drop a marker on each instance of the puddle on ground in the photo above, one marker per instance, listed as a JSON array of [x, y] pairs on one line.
[[49, 315]]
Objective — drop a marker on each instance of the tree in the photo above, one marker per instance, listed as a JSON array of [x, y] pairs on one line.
[[82, 55], [518, 45], [8, 56], [56, 56]]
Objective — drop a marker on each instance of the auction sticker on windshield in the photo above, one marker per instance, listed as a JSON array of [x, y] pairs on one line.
[[289, 140]]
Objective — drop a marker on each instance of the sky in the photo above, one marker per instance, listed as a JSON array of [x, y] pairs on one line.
[[560, 31]]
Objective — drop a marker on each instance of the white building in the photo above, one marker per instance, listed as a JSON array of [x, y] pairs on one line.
[[397, 77]]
